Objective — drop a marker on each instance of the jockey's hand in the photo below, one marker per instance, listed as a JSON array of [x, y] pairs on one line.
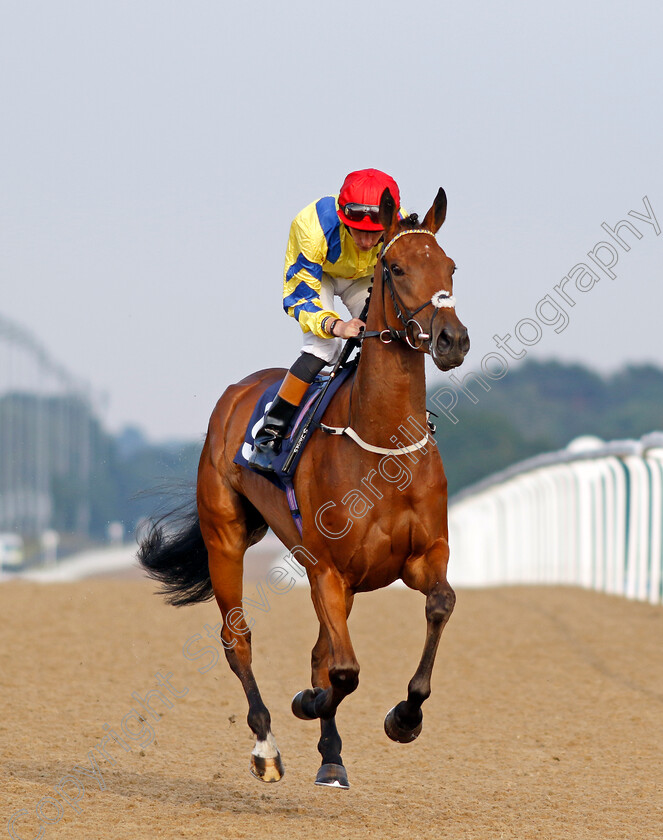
[[348, 329]]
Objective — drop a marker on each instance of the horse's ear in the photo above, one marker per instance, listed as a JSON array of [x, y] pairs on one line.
[[435, 217], [388, 211]]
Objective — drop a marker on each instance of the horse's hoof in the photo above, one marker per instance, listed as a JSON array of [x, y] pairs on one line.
[[400, 733], [302, 699], [267, 769], [333, 775]]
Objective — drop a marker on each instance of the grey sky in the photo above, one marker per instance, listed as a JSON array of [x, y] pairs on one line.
[[154, 153]]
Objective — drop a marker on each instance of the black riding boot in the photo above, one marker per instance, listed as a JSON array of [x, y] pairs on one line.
[[269, 438]]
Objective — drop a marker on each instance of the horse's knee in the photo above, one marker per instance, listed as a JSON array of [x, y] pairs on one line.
[[346, 679], [440, 604]]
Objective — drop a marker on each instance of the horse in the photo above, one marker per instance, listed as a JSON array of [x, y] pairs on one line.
[[357, 534]]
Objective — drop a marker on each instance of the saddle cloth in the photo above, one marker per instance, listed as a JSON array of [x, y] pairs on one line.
[[279, 477]]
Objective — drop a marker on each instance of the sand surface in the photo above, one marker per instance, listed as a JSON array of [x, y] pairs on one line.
[[546, 719]]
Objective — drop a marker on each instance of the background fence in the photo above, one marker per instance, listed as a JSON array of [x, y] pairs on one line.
[[589, 515], [46, 424]]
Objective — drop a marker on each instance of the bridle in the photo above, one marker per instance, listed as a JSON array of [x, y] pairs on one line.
[[412, 333], [440, 300]]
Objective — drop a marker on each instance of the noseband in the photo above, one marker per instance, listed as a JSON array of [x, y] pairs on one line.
[[413, 331]]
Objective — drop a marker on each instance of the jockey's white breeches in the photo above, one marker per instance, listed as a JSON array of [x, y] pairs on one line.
[[353, 293]]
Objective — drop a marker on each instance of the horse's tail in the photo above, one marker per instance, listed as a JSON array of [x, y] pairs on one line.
[[174, 553]]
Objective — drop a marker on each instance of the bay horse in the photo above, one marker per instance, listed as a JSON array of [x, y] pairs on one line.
[[399, 531]]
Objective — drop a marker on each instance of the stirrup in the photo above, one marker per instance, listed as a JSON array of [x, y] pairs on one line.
[[264, 451], [269, 439]]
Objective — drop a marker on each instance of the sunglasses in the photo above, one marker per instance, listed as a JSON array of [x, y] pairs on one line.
[[358, 212]]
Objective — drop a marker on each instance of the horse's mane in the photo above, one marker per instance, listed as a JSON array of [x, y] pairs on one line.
[[411, 221]]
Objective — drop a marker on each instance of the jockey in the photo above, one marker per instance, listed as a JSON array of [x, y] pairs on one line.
[[333, 247]]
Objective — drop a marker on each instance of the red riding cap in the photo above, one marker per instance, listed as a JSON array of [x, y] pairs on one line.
[[365, 187]]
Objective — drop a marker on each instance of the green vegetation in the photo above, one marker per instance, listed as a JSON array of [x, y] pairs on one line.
[[130, 484], [68, 473], [540, 407], [60, 469]]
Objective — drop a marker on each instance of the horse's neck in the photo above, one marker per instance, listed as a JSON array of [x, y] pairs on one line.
[[390, 385]]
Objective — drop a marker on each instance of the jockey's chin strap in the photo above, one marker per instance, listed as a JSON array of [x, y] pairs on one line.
[[412, 333]]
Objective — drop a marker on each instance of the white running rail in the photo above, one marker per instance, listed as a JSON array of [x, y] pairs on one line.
[[589, 516]]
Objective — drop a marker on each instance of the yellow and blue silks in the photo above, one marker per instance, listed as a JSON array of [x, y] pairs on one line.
[[319, 243]]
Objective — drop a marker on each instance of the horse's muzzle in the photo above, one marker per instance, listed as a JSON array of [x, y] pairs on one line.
[[450, 345]]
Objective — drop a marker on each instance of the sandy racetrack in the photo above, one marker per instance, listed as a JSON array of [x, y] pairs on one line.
[[546, 719]]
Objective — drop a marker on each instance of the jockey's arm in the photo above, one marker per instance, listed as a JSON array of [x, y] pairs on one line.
[[302, 275]]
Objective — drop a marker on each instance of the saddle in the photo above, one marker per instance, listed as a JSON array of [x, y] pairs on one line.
[[311, 411]]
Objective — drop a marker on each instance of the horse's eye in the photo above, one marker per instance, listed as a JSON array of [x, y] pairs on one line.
[[397, 270]]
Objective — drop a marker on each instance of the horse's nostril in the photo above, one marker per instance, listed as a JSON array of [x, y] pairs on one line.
[[444, 340], [453, 340]]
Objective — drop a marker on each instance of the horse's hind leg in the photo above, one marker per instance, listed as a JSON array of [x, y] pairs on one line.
[[223, 522], [428, 575]]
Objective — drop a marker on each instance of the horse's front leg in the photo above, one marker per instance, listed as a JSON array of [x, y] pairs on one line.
[[428, 574], [334, 675]]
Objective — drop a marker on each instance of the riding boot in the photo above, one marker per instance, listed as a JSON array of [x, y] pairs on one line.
[[269, 439]]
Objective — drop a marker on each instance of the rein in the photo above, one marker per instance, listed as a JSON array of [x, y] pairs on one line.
[[439, 300]]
